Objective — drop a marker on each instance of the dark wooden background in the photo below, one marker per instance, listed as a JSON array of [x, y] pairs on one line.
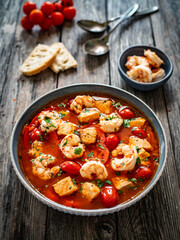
[[157, 215]]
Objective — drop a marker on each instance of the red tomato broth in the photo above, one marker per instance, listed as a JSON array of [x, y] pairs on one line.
[[50, 146]]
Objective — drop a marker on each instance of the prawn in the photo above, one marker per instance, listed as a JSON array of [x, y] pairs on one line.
[[71, 146], [80, 101], [153, 58], [49, 121], [140, 73], [134, 61], [158, 74], [110, 123], [128, 161], [93, 169], [40, 167]]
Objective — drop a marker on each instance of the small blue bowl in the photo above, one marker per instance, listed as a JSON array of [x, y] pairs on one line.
[[138, 50]]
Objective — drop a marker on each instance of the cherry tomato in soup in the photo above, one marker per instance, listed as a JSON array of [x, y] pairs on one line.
[[109, 196], [139, 132], [126, 113], [26, 24], [112, 141], [47, 23], [28, 7], [57, 18], [143, 173], [36, 134], [36, 16], [47, 8], [58, 7], [71, 168], [69, 13]]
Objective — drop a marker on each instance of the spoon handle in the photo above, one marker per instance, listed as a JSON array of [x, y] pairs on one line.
[[130, 12], [137, 14]]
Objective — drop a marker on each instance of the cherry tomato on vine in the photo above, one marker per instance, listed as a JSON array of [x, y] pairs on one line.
[[112, 141], [71, 168], [28, 7], [26, 24], [58, 7], [57, 18], [139, 132], [36, 134], [143, 173], [109, 196], [67, 3], [47, 8], [126, 113], [36, 16], [69, 13], [46, 24]]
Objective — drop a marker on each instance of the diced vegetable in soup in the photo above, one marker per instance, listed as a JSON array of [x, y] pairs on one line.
[[89, 152]]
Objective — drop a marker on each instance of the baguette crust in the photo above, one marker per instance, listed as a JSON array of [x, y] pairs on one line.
[[63, 60], [41, 58]]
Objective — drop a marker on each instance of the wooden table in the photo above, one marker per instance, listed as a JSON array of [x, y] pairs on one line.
[[156, 216]]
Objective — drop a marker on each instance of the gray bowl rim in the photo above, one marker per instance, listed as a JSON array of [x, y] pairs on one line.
[[146, 84], [85, 212]]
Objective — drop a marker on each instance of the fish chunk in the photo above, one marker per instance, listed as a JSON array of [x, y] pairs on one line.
[[90, 190], [66, 128], [122, 183], [65, 187], [137, 122], [88, 115], [104, 106], [88, 135], [140, 143]]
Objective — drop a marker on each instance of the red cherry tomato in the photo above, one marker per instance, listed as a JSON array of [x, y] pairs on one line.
[[143, 173], [36, 16], [126, 113], [26, 24], [58, 7], [67, 3], [71, 168], [47, 8], [36, 134], [109, 197], [112, 141], [28, 7], [57, 18], [47, 23], [139, 132], [69, 13]]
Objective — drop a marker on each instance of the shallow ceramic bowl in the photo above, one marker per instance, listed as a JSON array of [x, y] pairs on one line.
[[138, 50], [31, 111]]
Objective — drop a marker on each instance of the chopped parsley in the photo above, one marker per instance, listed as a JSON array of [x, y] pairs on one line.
[[61, 115], [62, 105], [99, 183], [74, 181], [99, 145], [76, 132], [40, 137], [77, 150], [122, 164], [118, 173], [48, 120], [120, 191], [126, 123], [64, 144], [140, 179], [46, 186], [70, 187], [60, 172], [117, 105], [135, 187], [133, 180], [90, 154], [138, 160], [86, 110], [108, 182], [156, 159]]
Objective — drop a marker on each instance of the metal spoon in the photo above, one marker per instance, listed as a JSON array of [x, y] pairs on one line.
[[97, 27], [100, 46]]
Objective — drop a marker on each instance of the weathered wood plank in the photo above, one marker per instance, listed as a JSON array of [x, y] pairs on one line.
[[20, 209], [148, 219], [90, 69]]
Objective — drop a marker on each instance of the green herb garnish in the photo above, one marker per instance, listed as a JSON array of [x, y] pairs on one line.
[[77, 150]]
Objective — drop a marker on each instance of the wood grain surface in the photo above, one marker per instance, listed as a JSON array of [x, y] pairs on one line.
[[156, 216]]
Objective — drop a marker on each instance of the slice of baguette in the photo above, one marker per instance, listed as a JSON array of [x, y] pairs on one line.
[[63, 60], [41, 58]]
